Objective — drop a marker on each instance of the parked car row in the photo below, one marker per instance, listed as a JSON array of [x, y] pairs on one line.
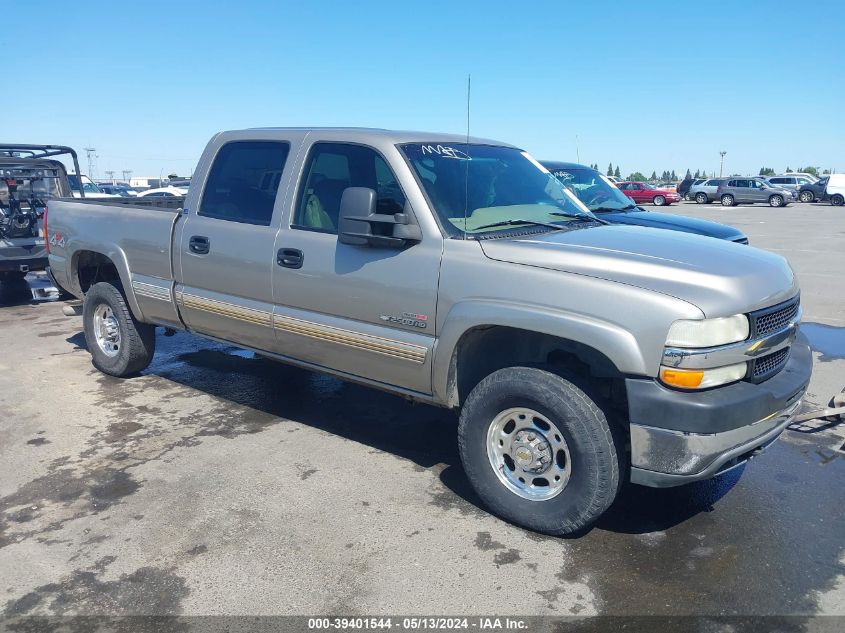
[[775, 190]]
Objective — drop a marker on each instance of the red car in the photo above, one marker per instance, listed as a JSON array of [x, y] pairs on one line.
[[641, 192]]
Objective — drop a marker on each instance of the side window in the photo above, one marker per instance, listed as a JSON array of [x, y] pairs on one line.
[[243, 182], [333, 167]]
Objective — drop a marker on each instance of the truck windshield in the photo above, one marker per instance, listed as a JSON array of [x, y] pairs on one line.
[[594, 190], [478, 189]]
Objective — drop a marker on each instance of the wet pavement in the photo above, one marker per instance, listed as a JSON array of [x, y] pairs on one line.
[[222, 483]]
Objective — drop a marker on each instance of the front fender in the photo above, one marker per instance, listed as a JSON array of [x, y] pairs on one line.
[[616, 343]]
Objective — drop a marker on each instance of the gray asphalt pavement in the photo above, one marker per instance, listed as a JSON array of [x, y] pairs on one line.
[[222, 483]]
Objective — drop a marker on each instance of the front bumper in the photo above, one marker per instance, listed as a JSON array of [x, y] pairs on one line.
[[679, 437]]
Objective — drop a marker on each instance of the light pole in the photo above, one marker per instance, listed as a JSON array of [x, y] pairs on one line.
[[721, 162]]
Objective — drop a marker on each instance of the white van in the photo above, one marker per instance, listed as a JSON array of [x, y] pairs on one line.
[[835, 189]]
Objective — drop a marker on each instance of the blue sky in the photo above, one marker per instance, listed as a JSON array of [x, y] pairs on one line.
[[647, 85]]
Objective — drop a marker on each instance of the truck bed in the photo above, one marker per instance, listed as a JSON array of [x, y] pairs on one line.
[[135, 233], [150, 202]]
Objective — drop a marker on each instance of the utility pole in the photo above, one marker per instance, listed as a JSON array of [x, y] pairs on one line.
[[110, 175], [721, 162], [91, 156], [126, 174]]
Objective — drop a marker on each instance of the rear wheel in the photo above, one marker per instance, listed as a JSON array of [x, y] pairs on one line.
[[728, 200], [538, 450], [837, 200], [775, 201], [659, 201], [120, 345], [701, 198], [806, 196]]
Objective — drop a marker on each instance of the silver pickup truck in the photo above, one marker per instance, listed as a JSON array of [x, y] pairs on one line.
[[460, 273]]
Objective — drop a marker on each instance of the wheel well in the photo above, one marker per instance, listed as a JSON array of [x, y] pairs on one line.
[[91, 267], [485, 349]]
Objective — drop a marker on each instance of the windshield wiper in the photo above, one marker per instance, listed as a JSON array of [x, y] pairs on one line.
[[556, 227], [612, 209], [580, 216]]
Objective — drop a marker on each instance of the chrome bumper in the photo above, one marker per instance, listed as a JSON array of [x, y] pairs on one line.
[[662, 458]]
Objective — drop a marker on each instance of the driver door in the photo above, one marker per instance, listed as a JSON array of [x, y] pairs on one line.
[[364, 311]]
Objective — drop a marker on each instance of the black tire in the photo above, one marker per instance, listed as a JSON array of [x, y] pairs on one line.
[[807, 196], [137, 340], [837, 200], [776, 201], [728, 200], [594, 456], [12, 276], [659, 201], [701, 198]]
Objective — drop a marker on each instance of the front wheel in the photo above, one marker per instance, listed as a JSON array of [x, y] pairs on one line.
[[806, 196], [701, 198], [538, 451], [776, 201], [120, 345], [837, 200], [727, 200], [659, 201]]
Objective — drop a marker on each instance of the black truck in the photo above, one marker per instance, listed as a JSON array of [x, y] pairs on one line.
[[30, 175]]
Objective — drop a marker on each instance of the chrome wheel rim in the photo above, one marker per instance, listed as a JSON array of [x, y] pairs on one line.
[[106, 330], [727, 201], [659, 200], [529, 454], [806, 197], [776, 201], [701, 199]]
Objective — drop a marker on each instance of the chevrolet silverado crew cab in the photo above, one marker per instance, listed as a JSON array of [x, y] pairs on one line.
[[457, 272]]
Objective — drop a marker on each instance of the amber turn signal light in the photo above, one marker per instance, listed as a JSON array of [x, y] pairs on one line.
[[684, 378]]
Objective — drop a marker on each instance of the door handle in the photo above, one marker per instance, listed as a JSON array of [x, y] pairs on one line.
[[290, 257], [199, 244]]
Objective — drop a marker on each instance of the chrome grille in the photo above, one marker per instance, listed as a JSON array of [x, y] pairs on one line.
[[768, 366], [774, 319]]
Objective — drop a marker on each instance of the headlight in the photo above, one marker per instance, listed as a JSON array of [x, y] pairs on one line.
[[702, 378], [708, 332]]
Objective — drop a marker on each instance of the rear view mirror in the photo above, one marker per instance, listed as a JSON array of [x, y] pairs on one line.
[[360, 225]]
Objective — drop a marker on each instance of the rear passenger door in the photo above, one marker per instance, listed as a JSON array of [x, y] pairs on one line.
[[367, 312], [226, 245]]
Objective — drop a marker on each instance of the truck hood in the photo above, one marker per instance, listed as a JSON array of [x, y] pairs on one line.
[[719, 277], [674, 222]]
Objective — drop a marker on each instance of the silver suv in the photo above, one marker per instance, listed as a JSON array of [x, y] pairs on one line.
[[750, 190], [793, 183], [705, 191]]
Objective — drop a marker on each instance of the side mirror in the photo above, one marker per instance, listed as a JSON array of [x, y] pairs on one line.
[[360, 225]]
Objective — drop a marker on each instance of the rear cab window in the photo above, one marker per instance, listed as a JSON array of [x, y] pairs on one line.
[[243, 182]]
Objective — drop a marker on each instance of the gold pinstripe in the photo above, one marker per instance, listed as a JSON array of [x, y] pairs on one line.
[[151, 291], [376, 344], [351, 338], [230, 310]]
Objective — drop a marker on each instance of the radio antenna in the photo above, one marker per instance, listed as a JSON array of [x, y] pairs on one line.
[[466, 161]]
